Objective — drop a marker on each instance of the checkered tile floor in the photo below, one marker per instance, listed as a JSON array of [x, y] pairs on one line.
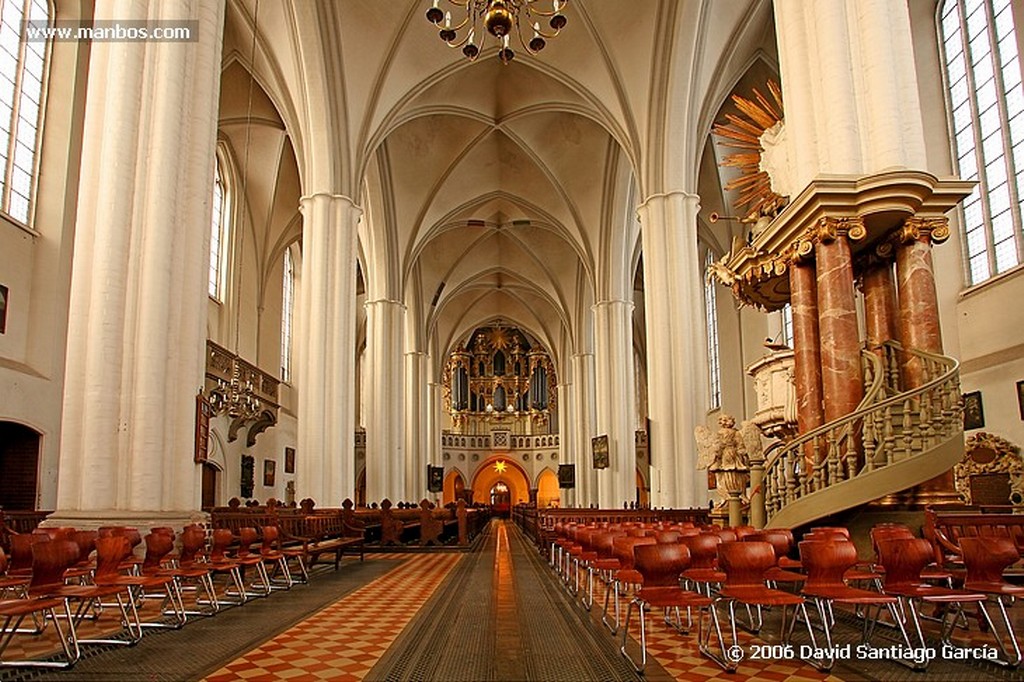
[[348, 637], [345, 640]]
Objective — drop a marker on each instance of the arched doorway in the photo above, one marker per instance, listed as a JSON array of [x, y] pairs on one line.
[[454, 488], [548, 493], [501, 499], [211, 474], [19, 466], [507, 471]]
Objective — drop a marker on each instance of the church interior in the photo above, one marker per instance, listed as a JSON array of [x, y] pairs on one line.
[[462, 339]]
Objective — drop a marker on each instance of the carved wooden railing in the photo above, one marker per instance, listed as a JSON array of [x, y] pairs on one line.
[[889, 427]]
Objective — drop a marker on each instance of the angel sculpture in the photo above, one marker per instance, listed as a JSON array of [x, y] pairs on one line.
[[726, 453]]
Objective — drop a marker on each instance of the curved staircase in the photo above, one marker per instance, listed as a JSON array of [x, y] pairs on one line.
[[895, 440]]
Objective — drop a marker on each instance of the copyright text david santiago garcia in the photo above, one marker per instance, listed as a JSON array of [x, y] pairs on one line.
[[845, 652]]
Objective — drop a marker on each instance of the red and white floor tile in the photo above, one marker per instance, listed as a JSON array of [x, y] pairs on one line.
[[346, 639]]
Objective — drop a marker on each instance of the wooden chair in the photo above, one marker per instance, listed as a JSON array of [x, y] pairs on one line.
[[195, 576], [625, 576], [272, 554], [745, 565], [48, 582], [781, 542], [218, 563], [111, 552], [660, 566], [985, 558], [20, 564], [826, 563], [605, 564], [50, 560], [247, 558], [703, 571], [903, 560]]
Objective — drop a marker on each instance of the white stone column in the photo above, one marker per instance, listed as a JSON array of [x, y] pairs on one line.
[[416, 433], [136, 327], [584, 421], [567, 437], [616, 413], [325, 352], [835, 56], [385, 401], [677, 381], [434, 422]]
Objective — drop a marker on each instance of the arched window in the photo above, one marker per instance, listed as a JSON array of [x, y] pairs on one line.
[[287, 306], [22, 65], [986, 101], [787, 325], [219, 228], [711, 318]]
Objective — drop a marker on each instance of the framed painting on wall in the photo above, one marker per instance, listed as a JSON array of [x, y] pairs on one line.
[[269, 466], [289, 460], [974, 411], [599, 449]]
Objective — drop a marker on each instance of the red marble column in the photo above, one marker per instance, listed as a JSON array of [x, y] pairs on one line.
[[880, 313], [842, 379], [919, 323], [803, 298], [919, 305]]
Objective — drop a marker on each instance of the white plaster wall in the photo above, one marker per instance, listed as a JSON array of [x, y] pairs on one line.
[[990, 322]]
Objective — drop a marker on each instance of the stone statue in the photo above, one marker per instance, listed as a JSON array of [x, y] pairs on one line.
[[726, 453]]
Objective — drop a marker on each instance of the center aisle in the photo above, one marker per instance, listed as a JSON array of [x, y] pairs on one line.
[[501, 616]]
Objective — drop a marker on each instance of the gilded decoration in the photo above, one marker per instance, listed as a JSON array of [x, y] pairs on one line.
[[985, 454], [935, 229], [499, 377], [871, 211]]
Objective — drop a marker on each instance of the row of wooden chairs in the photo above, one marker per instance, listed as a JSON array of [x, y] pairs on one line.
[[52, 577], [690, 568]]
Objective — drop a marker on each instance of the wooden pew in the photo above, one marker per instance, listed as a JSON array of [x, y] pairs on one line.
[[946, 527]]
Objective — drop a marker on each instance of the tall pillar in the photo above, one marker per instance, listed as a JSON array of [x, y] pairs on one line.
[[434, 423], [676, 347], [842, 380], [585, 420], [879, 289], [416, 433], [918, 302], [919, 323], [833, 56], [137, 321], [325, 353], [616, 413], [385, 442], [803, 286], [567, 435]]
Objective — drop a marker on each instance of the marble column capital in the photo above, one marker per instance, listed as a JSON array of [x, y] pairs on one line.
[[830, 228], [801, 253], [934, 229]]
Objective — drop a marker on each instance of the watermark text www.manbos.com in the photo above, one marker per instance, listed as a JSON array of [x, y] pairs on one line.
[[111, 31]]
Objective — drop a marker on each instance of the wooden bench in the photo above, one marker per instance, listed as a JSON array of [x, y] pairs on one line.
[[316, 532], [946, 527]]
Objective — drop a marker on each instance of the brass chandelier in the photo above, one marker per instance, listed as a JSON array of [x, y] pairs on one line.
[[500, 18]]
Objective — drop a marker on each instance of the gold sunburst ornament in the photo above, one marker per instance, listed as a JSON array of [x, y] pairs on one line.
[[500, 466], [745, 133]]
